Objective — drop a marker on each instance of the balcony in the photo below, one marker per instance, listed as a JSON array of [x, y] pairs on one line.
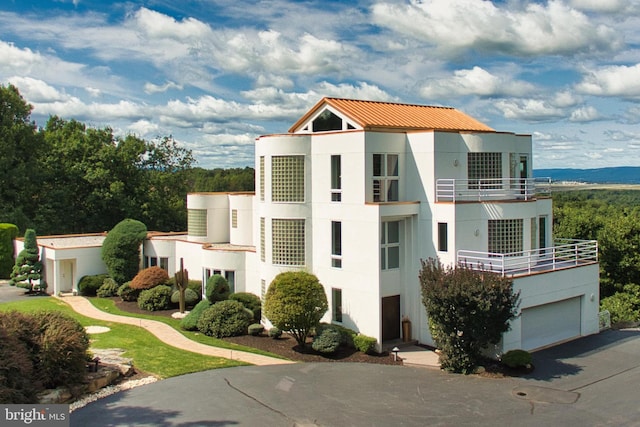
[[495, 189], [565, 254]]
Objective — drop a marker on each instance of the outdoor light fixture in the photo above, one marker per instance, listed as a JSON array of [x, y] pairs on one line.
[[395, 351]]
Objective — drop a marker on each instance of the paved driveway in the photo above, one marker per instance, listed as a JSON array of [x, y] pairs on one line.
[[592, 381], [11, 293]]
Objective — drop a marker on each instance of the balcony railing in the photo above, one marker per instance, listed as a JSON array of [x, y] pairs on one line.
[[479, 190], [566, 253]]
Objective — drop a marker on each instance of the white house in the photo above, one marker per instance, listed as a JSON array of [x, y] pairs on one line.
[[358, 192]]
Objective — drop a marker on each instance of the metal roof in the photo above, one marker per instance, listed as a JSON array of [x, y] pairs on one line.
[[388, 115]]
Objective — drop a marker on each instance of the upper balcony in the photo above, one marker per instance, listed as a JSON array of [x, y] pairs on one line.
[[492, 189], [566, 253]]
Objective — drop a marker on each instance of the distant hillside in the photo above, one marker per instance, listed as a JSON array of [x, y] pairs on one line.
[[613, 175]]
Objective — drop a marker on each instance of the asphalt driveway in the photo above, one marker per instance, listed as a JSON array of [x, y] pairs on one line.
[[591, 381]]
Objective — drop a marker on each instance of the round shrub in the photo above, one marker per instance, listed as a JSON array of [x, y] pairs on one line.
[[108, 289], [327, 341], [89, 285], [364, 343], [190, 321], [191, 298], [126, 293], [250, 301], [517, 358], [275, 333], [255, 329], [224, 319], [149, 278], [217, 288], [196, 286], [157, 298], [121, 249]]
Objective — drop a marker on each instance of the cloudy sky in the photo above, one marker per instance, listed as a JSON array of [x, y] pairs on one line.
[[217, 73]]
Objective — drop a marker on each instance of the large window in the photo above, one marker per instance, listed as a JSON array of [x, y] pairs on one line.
[[288, 241], [484, 170], [336, 305], [390, 245], [336, 244], [505, 236], [287, 178], [261, 173], [327, 121], [443, 238], [385, 178], [197, 222], [336, 178]]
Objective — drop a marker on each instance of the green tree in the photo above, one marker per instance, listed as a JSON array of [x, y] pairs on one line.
[[121, 249], [295, 302], [8, 233], [28, 267], [468, 310]]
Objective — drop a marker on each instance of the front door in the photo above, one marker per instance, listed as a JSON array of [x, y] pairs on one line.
[[391, 318]]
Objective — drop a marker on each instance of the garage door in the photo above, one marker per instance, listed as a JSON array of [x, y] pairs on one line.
[[550, 323]]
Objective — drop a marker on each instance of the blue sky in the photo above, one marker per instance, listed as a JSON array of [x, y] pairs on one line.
[[216, 74]]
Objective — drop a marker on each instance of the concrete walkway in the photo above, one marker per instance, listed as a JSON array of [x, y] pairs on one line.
[[169, 335]]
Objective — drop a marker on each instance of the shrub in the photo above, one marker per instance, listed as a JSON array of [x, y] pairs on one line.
[[89, 285], [255, 329], [8, 233], [517, 358], [275, 332], [157, 298], [250, 301], [17, 380], [224, 319], [126, 293], [190, 321], [121, 249], [364, 343], [149, 278], [346, 334], [108, 289], [623, 306], [327, 340], [196, 286], [191, 298], [217, 288], [295, 302]]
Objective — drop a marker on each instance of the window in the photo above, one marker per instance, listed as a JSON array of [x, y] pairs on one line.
[[505, 236], [327, 121], [206, 273], [262, 178], [336, 244], [336, 178], [262, 248], [164, 264], [287, 178], [231, 279], [234, 218], [443, 244], [336, 304], [390, 245], [288, 241], [197, 222], [484, 170], [385, 178]]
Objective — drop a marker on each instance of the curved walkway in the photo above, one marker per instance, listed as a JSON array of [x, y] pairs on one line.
[[168, 335]]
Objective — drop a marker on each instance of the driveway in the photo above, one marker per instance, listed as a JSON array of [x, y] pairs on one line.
[[12, 293], [591, 381]]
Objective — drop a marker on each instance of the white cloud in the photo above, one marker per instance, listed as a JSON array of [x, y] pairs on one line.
[[37, 91], [151, 88], [608, 6], [144, 128], [617, 80], [585, 114], [476, 81], [530, 110]]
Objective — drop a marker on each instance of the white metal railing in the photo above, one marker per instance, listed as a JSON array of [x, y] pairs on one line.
[[477, 190], [566, 253]]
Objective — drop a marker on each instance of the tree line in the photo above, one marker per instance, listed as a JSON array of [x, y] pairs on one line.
[[67, 177]]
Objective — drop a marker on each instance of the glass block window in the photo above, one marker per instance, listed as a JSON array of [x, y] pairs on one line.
[[197, 222], [263, 291], [287, 178], [336, 304], [505, 236], [385, 178], [288, 241], [261, 172], [484, 170], [234, 218], [262, 246], [390, 245], [336, 244]]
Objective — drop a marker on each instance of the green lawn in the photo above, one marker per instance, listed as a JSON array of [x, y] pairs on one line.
[[148, 353]]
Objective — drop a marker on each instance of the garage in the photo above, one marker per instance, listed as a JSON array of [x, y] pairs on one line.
[[550, 323]]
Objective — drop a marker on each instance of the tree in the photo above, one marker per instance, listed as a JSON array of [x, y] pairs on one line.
[[468, 310], [8, 232], [295, 302], [121, 249], [28, 267]]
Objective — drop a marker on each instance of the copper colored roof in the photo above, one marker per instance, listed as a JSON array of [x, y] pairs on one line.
[[376, 114]]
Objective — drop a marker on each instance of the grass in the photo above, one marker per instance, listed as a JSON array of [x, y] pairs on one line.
[[148, 353]]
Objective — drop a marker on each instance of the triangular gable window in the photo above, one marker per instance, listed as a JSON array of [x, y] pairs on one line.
[[327, 121]]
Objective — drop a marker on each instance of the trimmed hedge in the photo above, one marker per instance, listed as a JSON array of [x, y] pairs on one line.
[[364, 343], [255, 329], [157, 298], [89, 285], [121, 249], [191, 298], [224, 319], [217, 288], [190, 321], [150, 278], [517, 358], [275, 333]]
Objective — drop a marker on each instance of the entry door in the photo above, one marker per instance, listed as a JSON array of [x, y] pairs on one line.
[[523, 169], [66, 275], [391, 318]]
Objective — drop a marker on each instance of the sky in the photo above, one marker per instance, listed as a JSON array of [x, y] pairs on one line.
[[216, 74]]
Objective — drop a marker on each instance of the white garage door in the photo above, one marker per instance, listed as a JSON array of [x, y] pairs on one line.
[[550, 323]]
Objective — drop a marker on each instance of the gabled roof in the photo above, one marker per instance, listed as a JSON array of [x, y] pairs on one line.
[[388, 115]]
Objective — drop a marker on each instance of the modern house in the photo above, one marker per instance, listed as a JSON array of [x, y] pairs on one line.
[[359, 192]]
